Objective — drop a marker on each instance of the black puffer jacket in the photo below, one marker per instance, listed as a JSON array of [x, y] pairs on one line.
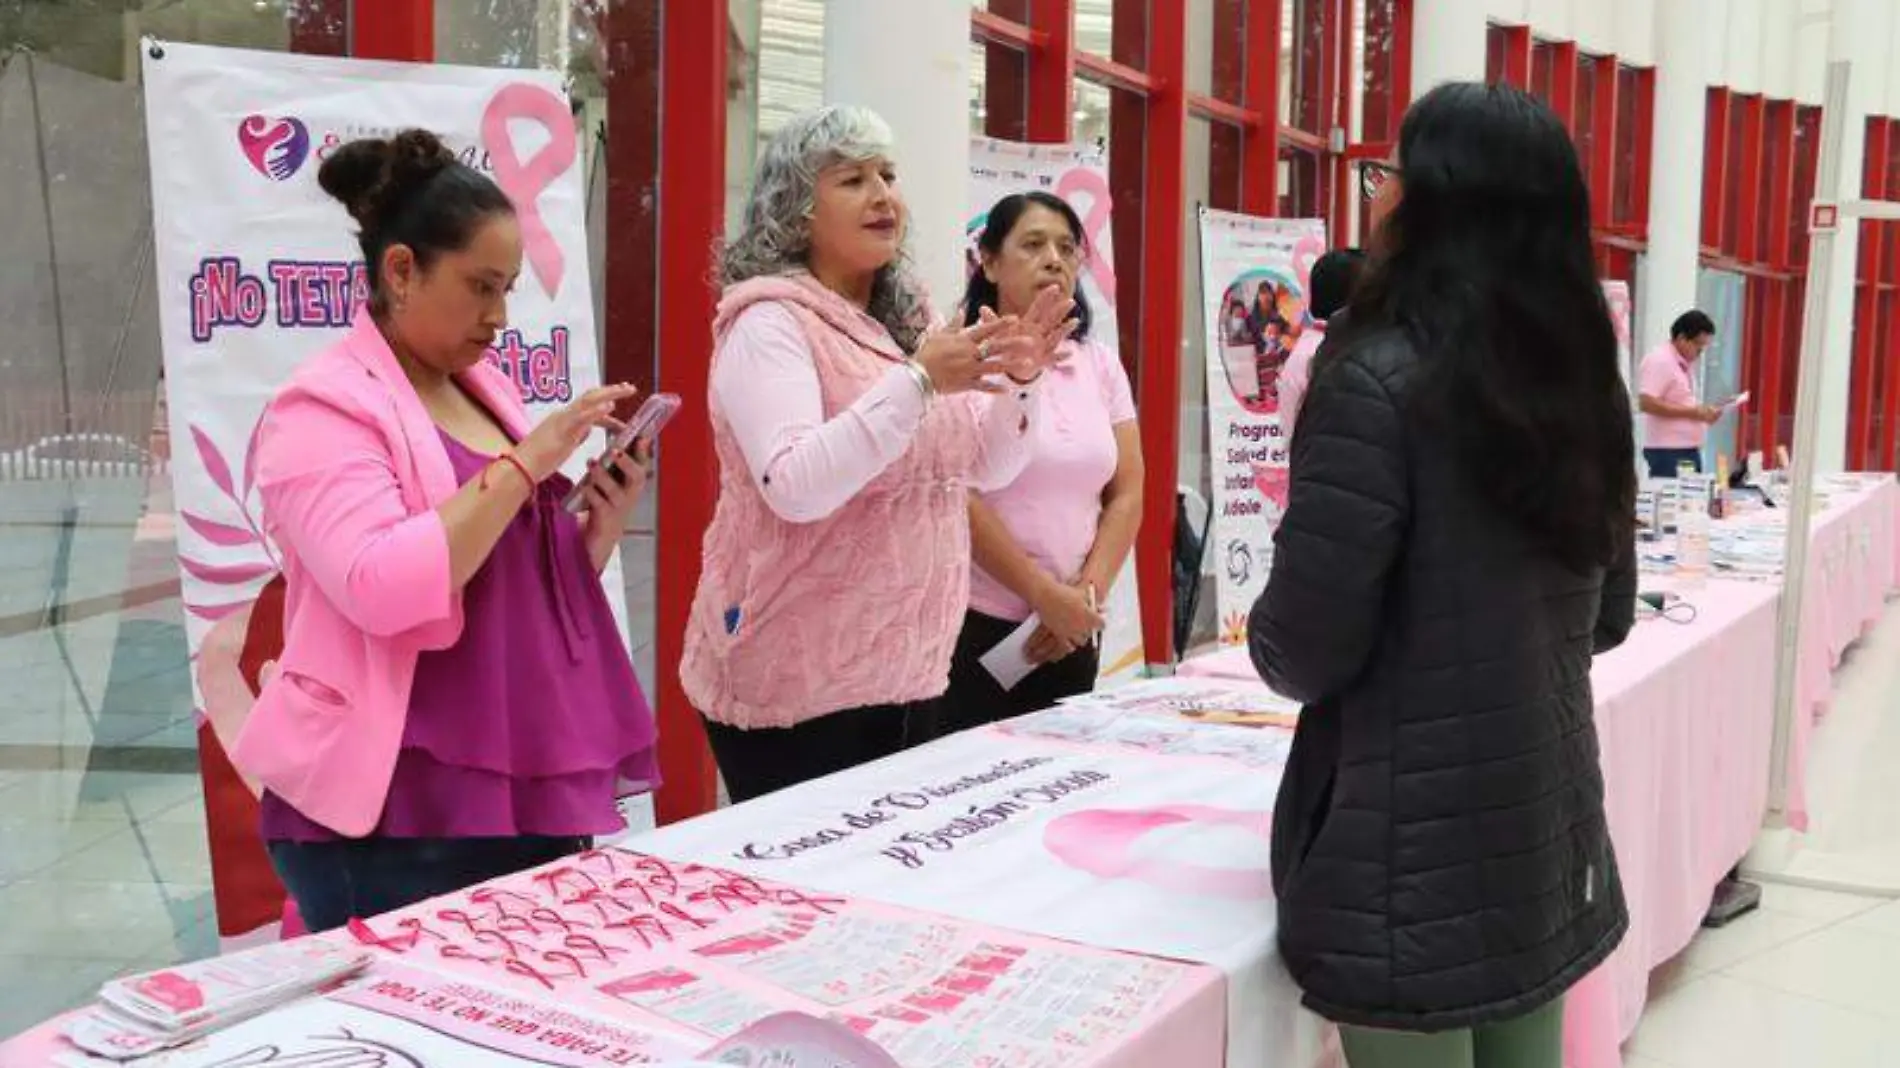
[[1439, 845]]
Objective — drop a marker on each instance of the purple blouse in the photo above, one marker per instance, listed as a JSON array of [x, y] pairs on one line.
[[528, 723]]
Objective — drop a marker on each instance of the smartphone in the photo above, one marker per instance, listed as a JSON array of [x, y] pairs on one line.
[[645, 425]]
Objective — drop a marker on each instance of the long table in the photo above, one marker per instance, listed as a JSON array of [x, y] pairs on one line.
[[991, 887], [1685, 717]]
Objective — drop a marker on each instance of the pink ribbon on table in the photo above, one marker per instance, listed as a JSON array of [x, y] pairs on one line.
[[1102, 842], [525, 180]]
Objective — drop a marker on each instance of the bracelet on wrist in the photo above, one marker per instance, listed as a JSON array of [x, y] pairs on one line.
[[925, 384], [511, 460]]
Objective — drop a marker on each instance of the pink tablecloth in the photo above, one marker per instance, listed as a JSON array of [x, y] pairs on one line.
[[1686, 719], [698, 953], [1852, 562], [1685, 714]]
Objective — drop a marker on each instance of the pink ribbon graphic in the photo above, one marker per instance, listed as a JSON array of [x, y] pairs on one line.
[[525, 180], [1305, 255], [1101, 842], [1094, 223]]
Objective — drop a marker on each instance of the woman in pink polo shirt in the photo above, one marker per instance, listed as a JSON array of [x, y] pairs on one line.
[[1052, 542]]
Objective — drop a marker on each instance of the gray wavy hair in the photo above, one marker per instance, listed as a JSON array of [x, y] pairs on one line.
[[775, 236]]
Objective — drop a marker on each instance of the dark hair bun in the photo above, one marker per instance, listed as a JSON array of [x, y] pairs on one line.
[[372, 175]]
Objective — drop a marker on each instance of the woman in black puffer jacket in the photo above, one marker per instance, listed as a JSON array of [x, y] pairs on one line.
[[1457, 545]]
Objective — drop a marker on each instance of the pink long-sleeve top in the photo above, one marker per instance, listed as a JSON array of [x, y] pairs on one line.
[[807, 467]]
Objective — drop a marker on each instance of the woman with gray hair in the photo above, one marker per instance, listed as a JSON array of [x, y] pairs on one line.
[[849, 429]]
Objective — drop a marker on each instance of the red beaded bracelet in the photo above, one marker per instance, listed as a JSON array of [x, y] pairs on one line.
[[513, 461]]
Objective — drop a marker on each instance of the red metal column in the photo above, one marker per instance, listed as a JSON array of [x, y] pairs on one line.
[[1602, 162], [1517, 55], [692, 202], [1052, 71], [1260, 143], [1884, 458], [632, 33], [1768, 371], [1563, 83], [1714, 167], [393, 29], [1645, 145], [1747, 186], [1005, 67], [1163, 241], [1337, 115], [1866, 331]]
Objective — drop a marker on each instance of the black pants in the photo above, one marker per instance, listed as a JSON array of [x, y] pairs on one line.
[[975, 698], [334, 882], [1663, 462], [762, 761]]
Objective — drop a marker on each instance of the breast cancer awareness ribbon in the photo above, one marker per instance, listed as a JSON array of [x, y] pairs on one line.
[[1305, 254], [1095, 212], [525, 180]]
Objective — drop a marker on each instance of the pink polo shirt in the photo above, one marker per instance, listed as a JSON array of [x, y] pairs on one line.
[[1055, 505], [1666, 377]]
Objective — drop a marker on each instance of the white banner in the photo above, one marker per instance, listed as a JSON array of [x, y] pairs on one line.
[[1100, 842], [1254, 275], [1079, 175], [258, 268]]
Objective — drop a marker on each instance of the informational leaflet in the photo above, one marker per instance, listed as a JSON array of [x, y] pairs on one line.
[[397, 1017], [1065, 837], [713, 950]]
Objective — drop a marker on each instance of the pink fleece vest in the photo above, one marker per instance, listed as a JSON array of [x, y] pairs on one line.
[[796, 620]]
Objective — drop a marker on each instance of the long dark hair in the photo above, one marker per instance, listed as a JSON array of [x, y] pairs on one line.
[[981, 293], [1486, 267]]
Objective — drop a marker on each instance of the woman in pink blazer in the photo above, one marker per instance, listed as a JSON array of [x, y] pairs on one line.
[[453, 702]]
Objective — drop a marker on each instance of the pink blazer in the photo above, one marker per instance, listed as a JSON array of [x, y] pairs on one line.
[[351, 469]]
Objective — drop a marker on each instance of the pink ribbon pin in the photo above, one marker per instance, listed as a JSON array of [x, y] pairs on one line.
[[525, 180]]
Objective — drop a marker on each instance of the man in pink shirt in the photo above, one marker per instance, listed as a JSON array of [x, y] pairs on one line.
[[1675, 420], [1326, 295]]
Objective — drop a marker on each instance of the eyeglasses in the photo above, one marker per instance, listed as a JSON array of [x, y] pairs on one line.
[[1373, 176]]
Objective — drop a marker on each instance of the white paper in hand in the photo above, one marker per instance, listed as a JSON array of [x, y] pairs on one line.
[[1008, 663]]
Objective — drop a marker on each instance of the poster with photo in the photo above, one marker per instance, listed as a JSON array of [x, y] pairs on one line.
[[1254, 276]]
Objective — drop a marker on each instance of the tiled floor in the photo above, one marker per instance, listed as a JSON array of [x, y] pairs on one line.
[[103, 860], [1813, 979], [103, 867]]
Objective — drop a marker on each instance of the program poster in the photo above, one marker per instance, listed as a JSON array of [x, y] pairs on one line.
[[258, 269], [1254, 275], [1079, 175]]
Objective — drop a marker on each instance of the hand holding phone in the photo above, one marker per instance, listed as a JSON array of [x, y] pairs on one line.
[[645, 426]]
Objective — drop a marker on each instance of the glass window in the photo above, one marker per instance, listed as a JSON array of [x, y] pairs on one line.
[[791, 60], [1303, 64], [1092, 105], [104, 866], [1095, 31], [1378, 58]]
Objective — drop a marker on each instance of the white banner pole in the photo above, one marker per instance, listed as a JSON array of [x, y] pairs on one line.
[[1800, 503]]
